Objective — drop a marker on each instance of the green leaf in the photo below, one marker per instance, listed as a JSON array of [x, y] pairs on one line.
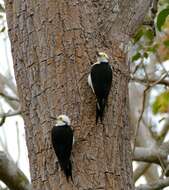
[[149, 34], [166, 43], [152, 49], [161, 18], [136, 57], [145, 55], [138, 35], [3, 29], [2, 9], [161, 104]]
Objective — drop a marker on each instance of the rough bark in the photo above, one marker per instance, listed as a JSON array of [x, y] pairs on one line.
[[53, 45]]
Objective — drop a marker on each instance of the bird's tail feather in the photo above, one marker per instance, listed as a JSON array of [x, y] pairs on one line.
[[100, 106], [97, 113], [67, 169]]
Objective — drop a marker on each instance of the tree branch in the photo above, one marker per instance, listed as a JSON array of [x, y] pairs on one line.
[[3, 116], [10, 98], [144, 81], [8, 83], [11, 175], [161, 183], [154, 7], [10, 114], [143, 105], [150, 155], [140, 170]]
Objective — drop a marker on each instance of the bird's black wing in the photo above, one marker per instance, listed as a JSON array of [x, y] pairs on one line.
[[62, 140], [101, 76]]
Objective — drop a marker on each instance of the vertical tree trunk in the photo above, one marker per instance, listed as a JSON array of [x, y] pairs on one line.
[[53, 44]]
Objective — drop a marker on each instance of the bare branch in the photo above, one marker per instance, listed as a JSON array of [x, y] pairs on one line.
[[140, 170], [10, 114], [3, 116], [5, 82], [144, 81], [140, 117], [11, 175], [162, 134], [2, 120], [143, 105], [154, 7], [153, 154], [8, 83], [10, 98], [161, 183], [150, 155]]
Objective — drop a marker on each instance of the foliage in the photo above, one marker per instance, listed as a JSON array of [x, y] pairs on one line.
[[2, 9], [2, 13], [145, 34], [149, 58], [149, 40], [161, 18], [161, 103]]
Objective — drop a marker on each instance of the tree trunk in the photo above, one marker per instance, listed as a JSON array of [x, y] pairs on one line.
[[54, 43]]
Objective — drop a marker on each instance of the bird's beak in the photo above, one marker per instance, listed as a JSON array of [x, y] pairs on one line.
[[54, 118]]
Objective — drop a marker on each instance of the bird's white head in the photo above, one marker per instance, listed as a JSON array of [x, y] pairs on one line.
[[102, 57], [62, 120]]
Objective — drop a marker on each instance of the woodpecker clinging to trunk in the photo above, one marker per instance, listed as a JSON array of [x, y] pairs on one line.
[[100, 80], [62, 141]]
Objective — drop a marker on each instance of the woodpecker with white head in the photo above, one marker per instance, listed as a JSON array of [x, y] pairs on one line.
[[100, 80], [62, 141]]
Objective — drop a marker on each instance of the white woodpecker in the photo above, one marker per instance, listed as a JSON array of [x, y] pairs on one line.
[[62, 141], [100, 80]]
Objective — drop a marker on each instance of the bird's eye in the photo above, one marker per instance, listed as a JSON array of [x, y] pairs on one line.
[[59, 118]]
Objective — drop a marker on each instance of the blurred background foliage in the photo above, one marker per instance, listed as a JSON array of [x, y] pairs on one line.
[[12, 136], [149, 96]]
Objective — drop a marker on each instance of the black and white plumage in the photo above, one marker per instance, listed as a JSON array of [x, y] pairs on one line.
[[100, 80], [62, 141]]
